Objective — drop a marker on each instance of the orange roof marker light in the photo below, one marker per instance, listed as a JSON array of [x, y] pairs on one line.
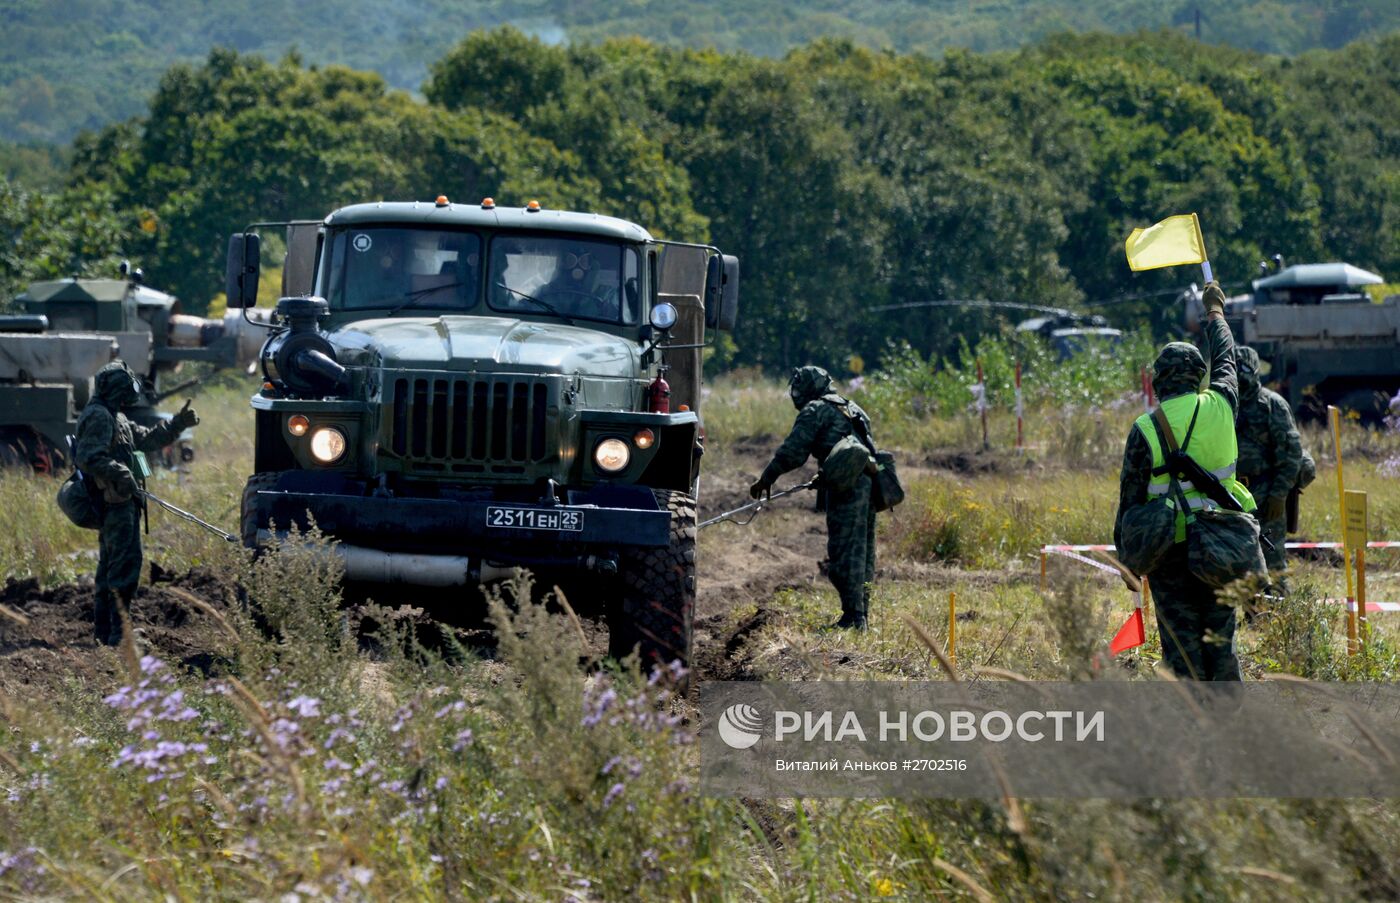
[[442, 200], [533, 207], [488, 203]]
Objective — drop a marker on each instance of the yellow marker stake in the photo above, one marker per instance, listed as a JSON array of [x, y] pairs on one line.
[[953, 627], [1335, 416], [1356, 537]]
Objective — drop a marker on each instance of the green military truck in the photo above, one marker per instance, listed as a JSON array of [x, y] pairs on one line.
[[457, 390]]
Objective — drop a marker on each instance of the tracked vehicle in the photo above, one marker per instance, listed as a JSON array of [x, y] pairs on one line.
[[70, 328], [453, 391], [1327, 342]]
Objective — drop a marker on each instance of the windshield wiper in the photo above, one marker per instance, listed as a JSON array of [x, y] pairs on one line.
[[410, 297], [532, 299]]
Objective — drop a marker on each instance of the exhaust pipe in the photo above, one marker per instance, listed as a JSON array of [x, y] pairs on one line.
[[376, 566], [408, 568]]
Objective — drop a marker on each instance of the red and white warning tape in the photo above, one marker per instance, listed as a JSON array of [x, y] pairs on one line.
[[1065, 553], [1287, 545], [1370, 606]]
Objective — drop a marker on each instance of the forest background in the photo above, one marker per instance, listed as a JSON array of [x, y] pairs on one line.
[[853, 155]]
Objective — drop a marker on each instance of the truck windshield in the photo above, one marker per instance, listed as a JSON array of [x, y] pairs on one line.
[[576, 278], [403, 269]]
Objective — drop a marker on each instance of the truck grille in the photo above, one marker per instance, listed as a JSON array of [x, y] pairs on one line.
[[443, 421]]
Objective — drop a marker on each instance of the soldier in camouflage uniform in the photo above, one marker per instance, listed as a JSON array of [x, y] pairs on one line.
[[104, 451], [1197, 632], [1271, 455], [823, 419]]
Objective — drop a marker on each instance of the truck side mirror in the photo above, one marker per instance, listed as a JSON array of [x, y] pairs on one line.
[[714, 291], [729, 296], [241, 275]]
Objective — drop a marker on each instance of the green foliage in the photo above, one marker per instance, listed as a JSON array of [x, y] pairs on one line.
[[46, 235], [82, 65], [845, 179]]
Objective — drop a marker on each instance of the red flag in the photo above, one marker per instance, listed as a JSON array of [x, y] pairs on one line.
[[1130, 635]]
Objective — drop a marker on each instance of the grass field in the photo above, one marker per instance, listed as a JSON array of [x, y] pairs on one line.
[[312, 757]]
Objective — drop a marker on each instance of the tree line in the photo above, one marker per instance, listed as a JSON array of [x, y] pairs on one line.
[[846, 179], [81, 64]]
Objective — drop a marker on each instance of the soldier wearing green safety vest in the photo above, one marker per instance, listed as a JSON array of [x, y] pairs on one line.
[[1197, 631]]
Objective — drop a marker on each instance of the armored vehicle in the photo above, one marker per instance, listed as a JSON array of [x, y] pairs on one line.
[[70, 329], [1069, 333], [1326, 340], [457, 390]]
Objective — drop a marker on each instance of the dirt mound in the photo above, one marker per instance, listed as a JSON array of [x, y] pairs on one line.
[[979, 462], [46, 636]]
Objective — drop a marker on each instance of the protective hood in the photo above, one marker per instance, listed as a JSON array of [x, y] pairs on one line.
[[808, 384], [485, 343], [1179, 369], [1247, 367], [116, 386]]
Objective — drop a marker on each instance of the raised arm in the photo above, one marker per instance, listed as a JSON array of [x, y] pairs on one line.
[[1220, 347]]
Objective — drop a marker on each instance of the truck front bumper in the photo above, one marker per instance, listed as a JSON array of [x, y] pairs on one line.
[[503, 532]]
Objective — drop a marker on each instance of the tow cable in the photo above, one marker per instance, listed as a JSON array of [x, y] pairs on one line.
[[757, 506], [181, 512]]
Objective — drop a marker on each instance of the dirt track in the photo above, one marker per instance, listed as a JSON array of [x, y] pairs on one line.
[[46, 635]]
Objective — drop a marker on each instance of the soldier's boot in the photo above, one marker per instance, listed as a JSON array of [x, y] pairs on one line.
[[851, 620], [103, 611]]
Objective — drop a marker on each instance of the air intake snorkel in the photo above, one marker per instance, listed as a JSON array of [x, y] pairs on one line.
[[300, 357]]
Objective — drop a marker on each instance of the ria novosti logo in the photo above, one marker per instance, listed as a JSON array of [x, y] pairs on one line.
[[740, 726]]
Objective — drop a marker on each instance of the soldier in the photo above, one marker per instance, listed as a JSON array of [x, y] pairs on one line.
[[1271, 456], [105, 451], [823, 419], [1198, 633]]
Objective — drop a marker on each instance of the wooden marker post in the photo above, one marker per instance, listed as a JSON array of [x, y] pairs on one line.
[[1356, 538], [1334, 416], [982, 404], [953, 628], [1020, 411]]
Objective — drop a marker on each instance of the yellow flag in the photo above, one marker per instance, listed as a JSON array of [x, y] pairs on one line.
[[1172, 242]]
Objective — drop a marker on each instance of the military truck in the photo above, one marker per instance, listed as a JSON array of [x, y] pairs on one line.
[[1325, 339], [457, 390], [70, 329]]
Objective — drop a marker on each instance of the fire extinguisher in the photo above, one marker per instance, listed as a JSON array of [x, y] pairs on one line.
[[659, 394]]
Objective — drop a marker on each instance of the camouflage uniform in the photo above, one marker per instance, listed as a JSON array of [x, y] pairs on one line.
[[104, 447], [1271, 455], [1187, 609], [850, 521]]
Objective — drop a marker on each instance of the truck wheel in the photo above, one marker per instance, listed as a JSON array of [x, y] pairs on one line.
[[658, 593], [258, 482]]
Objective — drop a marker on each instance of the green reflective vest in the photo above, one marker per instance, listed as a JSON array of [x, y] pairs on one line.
[[1212, 446]]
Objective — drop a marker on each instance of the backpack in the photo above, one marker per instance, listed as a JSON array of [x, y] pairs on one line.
[[79, 504], [847, 463], [885, 491], [1222, 544]]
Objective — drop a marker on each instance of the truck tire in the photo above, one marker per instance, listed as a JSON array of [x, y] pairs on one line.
[[658, 593], [248, 521]]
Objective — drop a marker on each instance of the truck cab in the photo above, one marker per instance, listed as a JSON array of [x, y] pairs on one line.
[[457, 390]]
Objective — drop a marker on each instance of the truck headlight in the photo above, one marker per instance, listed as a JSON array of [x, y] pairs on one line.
[[612, 455], [328, 445]]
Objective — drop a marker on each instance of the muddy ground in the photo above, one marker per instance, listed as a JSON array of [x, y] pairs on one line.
[[46, 641]]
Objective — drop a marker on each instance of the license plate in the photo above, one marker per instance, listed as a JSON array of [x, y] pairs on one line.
[[511, 518]]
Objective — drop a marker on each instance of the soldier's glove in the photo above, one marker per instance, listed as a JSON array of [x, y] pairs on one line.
[[761, 486], [1213, 298], [126, 485], [184, 418], [1274, 509]]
